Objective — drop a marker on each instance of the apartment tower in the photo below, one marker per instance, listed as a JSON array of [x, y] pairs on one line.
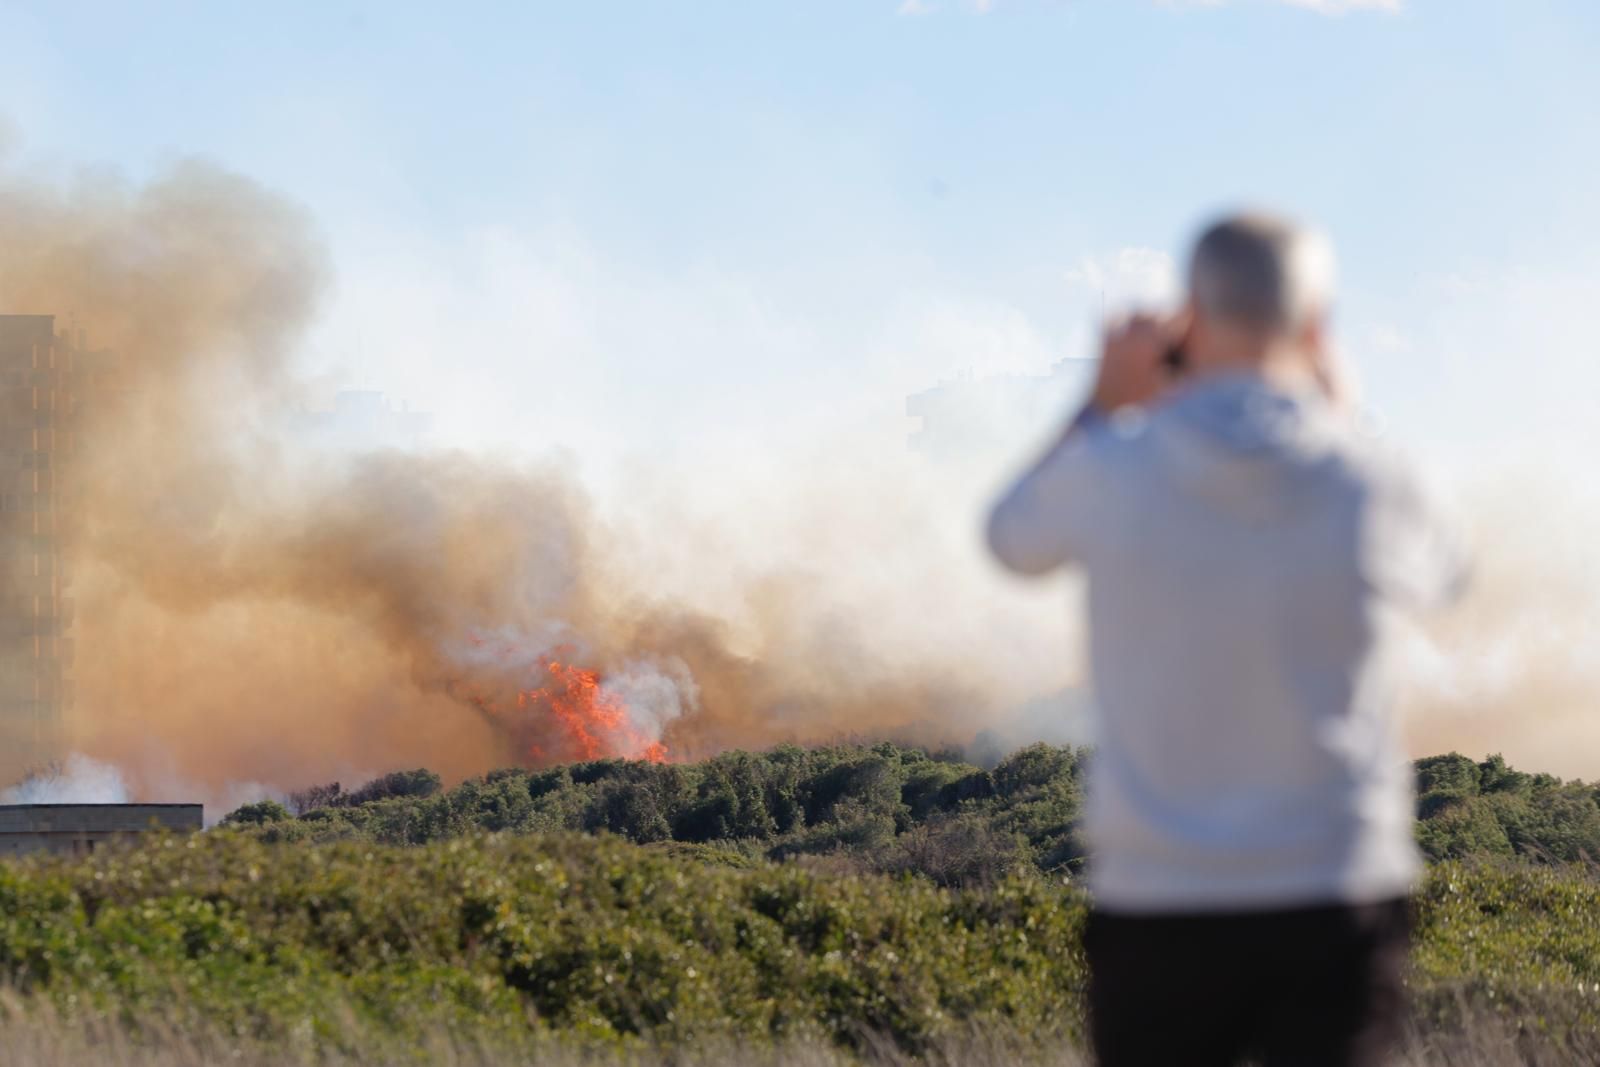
[[43, 378]]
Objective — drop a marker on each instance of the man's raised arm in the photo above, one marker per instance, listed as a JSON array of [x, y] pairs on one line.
[[1045, 519], [1037, 525]]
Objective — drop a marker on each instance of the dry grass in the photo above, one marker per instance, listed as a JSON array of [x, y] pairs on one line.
[[33, 1039]]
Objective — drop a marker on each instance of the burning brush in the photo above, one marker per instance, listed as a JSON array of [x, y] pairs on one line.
[[553, 711]]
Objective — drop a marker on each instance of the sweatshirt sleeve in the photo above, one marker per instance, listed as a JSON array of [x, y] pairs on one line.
[[1418, 554], [1042, 521]]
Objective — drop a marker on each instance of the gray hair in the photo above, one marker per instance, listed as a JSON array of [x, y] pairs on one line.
[[1262, 271]]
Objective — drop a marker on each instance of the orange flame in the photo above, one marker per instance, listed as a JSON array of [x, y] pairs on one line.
[[569, 715], [595, 721]]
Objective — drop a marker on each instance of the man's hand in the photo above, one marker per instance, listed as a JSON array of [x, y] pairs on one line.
[[1336, 380], [1133, 367]]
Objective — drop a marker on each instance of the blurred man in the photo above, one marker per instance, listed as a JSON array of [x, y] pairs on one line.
[[1245, 546]]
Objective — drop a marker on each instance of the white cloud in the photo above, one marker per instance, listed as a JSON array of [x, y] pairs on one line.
[[1321, 7], [1388, 339], [924, 7], [1345, 7], [1128, 276]]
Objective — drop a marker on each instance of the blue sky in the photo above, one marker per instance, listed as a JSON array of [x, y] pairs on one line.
[[614, 226]]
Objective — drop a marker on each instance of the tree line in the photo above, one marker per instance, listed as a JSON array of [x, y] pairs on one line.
[[882, 807]]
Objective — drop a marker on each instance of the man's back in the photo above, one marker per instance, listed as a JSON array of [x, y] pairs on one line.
[[1246, 548], [1236, 567]]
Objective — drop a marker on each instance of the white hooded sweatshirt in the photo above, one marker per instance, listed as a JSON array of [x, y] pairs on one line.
[[1245, 550]]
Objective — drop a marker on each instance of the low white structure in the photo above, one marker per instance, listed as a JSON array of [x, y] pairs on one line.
[[75, 829]]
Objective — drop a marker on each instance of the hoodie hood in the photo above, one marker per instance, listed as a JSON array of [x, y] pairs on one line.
[[1245, 444]]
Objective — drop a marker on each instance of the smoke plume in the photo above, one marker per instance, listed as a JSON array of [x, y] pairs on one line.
[[246, 611], [79, 780], [251, 611], [1515, 668]]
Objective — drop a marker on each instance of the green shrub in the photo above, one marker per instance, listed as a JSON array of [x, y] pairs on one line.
[[1488, 809], [508, 939], [587, 936], [258, 814], [882, 806], [1519, 939]]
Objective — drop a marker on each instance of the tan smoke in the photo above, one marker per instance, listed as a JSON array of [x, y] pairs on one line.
[[248, 613], [1515, 667]]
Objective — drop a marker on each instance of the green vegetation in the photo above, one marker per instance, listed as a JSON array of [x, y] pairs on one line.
[[1520, 937], [509, 937], [858, 898], [1487, 809], [882, 808], [885, 808], [511, 941]]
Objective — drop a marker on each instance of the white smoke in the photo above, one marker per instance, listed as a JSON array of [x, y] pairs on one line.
[[654, 694], [79, 780]]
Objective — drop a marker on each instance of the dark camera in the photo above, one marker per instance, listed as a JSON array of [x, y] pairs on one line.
[[1175, 359]]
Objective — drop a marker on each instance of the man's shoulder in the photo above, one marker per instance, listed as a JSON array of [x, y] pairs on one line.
[[1351, 452], [1374, 465], [1120, 436]]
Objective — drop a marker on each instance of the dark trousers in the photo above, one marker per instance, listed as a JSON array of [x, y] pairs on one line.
[[1311, 986]]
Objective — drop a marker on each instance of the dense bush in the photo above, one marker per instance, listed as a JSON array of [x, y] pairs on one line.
[[258, 814], [418, 783], [1469, 809], [884, 807], [511, 939], [888, 808], [1517, 938], [513, 936]]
